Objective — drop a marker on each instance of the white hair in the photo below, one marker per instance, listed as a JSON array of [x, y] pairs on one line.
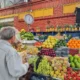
[[8, 32]]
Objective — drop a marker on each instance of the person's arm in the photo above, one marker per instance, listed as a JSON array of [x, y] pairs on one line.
[[15, 66]]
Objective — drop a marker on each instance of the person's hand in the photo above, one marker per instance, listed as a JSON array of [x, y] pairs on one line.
[[23, 56]]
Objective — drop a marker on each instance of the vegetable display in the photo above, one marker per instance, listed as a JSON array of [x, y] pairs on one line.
[[72, 75], [26, 35], [59, 44]]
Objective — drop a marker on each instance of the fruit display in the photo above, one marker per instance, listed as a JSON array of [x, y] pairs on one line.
[[72, 75], [74, 43], [20, 47], [38, 44], [55, 67], [53, 57], [32, 50], [43, 67], [26, 35], [48, 52], [33, 59], [59, 65], [59, 44], [50, 42], [74, 61], [73, 51]]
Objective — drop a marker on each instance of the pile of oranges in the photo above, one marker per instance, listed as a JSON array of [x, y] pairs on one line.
[[74, 43]]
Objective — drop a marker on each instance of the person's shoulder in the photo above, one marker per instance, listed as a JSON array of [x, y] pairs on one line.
[[11, 52]]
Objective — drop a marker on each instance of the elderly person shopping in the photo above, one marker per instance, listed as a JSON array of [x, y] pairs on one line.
[[11, 66]]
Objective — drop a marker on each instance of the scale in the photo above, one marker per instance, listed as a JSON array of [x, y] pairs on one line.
[[29, 19]]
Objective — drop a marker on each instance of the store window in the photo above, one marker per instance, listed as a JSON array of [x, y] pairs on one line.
[[7, 3]]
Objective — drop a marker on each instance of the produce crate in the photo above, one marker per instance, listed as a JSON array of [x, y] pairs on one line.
[[76, 69], [35, 76]]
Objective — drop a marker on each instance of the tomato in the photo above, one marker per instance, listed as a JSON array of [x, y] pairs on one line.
[[78, 78]]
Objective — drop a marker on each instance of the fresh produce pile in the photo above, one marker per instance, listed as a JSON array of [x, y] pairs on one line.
[[47, 52], [44, 67], [21, 47], [53, 43], [26, 35], [73, 51], [59, 65], [59, 44], [74, 61], [50, 42], [55, 67], [41, 65], [33, 59], [74, 43], [32, 50], [72, 75], [38, 44], [53, 58]]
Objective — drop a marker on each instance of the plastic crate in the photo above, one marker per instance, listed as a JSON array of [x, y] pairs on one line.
[[35, 76], [76, 69]]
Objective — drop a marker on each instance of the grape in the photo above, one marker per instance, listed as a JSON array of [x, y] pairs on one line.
[[44, 67], [33, 59], [49, 52]]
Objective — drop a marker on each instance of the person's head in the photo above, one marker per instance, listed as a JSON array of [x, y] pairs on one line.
[[8, 33]]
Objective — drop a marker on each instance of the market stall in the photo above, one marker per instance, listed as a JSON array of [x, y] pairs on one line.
[[52, 59]]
